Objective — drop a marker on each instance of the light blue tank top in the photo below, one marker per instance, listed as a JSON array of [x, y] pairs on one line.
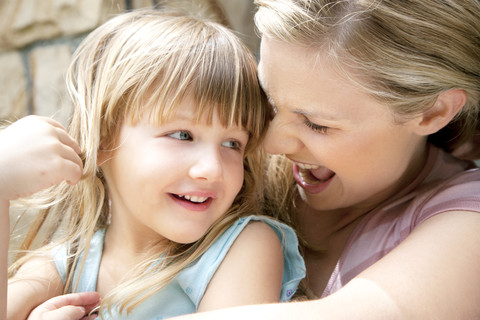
[[183, 294]]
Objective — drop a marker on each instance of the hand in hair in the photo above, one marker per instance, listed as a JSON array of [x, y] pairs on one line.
[[72, 306], [36, 153]]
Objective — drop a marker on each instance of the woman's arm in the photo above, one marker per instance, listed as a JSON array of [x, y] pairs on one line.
[[433, 274], [35, 153], [251, 272], [36, 293], [73, 306], [4, 243], [35, 282]]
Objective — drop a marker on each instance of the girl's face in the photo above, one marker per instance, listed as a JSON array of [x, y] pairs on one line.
[[175, 179], [347, 149]]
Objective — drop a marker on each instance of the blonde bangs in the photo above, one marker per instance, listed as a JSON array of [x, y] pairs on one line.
[[186, 57]]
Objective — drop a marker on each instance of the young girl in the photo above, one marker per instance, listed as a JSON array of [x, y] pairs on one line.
[[168, 116]]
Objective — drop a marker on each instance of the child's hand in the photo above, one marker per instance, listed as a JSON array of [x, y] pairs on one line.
[[36, 153], [72, 306]]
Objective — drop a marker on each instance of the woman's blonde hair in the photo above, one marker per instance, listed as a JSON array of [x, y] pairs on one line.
[[404, 53], [143, 63]]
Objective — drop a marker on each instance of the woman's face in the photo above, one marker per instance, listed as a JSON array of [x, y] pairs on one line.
[[347, 149]]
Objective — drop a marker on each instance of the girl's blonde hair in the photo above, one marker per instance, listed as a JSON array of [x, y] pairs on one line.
[[143, 63], [404, 53]]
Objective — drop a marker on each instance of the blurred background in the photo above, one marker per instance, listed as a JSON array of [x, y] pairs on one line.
[[38, 37]]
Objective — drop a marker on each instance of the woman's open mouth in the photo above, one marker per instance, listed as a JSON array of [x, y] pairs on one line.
[[312, 178]]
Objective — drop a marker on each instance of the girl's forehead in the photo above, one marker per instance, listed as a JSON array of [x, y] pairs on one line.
[[188, 110]]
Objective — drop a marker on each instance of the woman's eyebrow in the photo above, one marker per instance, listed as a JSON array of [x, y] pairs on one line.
[[316, 115]]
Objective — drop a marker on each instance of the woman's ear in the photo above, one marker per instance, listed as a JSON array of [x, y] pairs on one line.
[[447, 105]]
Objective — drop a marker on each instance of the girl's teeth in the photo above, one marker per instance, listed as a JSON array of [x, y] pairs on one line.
[[195, 198]]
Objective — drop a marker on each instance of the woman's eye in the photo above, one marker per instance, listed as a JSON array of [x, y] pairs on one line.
[[232, 144], [181, 135], [315, 127]]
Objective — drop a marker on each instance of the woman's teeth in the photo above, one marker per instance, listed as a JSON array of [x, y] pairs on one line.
[[307, 166], [313, 174], [307, 177]]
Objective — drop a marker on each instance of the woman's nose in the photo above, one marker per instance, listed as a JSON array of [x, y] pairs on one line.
[[281, 138], [207, 165]]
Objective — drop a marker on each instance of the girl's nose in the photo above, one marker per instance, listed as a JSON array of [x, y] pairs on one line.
[[207, 165], [281, 138]]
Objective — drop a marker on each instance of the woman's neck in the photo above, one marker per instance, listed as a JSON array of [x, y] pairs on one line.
[[320, 229]]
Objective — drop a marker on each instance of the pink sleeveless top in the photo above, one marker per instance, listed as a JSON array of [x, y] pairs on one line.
[[444, 184]]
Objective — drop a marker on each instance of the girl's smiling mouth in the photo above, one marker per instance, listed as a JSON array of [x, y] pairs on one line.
[[195, 199], [193, 202]]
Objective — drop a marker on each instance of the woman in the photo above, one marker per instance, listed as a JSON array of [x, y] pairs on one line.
[[389, 219], [370, 97]]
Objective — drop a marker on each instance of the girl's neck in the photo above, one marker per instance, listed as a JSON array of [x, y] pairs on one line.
[[131, 243], [123, 250]]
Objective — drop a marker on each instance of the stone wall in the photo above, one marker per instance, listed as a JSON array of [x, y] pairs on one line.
[[38, 37]]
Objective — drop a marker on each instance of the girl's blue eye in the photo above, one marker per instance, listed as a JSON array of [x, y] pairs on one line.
[[232, 144], [315, 127], [181, 135]]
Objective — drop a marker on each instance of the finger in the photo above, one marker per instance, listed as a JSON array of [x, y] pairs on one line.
[[51, 121], [67, 313], [70, 155], [62, 133], [66, 139], [76, 299], [71, 172], [56, 170], [92, 309], [50, 126]]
